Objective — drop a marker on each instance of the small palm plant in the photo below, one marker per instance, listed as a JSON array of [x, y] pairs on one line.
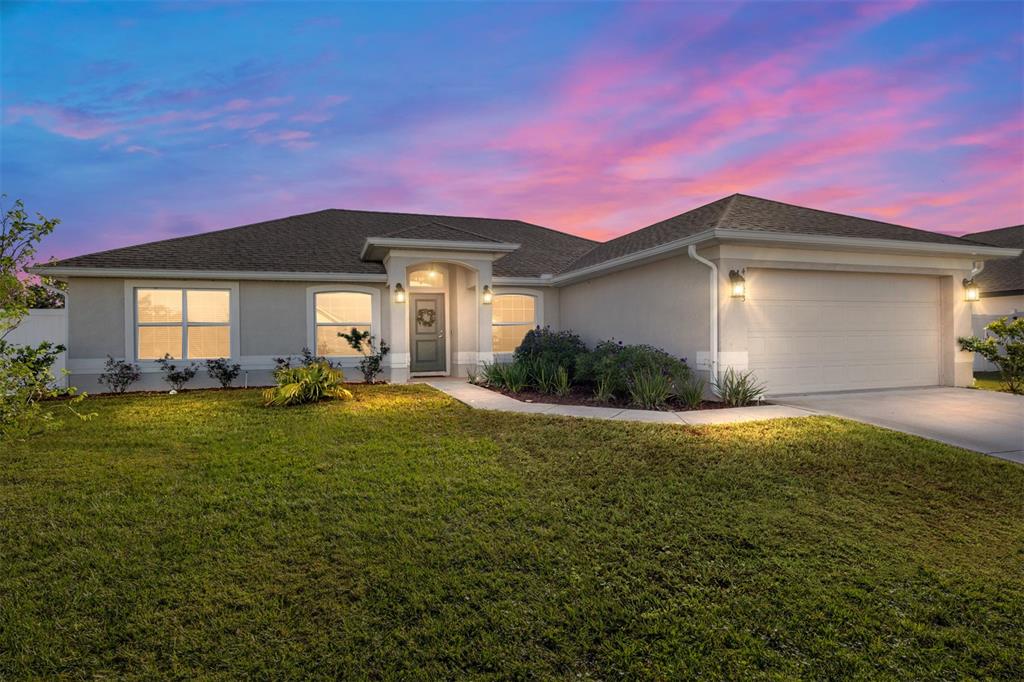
[[308, 384]]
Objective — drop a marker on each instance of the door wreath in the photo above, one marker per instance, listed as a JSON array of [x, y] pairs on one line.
[[426, 317]]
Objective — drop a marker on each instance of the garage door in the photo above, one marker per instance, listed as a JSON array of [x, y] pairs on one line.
[[834, 331]]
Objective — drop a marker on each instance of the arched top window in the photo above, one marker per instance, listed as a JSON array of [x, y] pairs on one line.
[[513, 315], [340, 311], [428, 276]]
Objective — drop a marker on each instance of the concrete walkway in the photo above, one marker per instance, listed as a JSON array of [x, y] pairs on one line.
[[486, 399], [983, 421]]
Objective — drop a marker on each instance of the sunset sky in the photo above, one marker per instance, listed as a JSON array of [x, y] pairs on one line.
[[140, 121]]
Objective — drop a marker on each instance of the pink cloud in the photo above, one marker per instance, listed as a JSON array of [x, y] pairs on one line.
[[66, 121]]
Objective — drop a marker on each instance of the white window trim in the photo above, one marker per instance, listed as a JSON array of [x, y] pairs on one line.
[[375, 321], [130, 341], [538, 312]]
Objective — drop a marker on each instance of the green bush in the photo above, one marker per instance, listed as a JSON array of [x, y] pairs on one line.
[[554, 348], [307, 384], [119, 374], [649, 389], [542, 374], [373, 353], [739, 389], [1003, 346], [25, 382], [223, 371], [562, 385], [517, 376], [176, 376], [493, 374], [611, 364], [691, 392]]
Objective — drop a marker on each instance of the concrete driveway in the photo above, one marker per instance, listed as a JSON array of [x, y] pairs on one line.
[[983, 421]]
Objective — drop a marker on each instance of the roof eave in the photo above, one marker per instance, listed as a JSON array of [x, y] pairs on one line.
[[167, 273]]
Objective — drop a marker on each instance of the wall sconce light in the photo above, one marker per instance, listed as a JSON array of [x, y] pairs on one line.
[[971, 291], [399, 293], [737, 285], [488, 296]]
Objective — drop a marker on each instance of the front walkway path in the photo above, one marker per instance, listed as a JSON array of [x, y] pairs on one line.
[[486, 399]]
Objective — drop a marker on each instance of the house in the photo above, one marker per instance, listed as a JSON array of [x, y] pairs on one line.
[[1001, 284], [810, 300]]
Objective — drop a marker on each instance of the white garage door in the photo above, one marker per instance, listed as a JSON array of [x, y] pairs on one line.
[[834, 331]]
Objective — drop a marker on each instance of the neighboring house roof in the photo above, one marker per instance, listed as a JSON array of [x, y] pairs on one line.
[[1005, 277], [753, 214], [331, 241]]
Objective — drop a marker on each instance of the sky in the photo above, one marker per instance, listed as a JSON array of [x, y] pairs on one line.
[[139, 121]]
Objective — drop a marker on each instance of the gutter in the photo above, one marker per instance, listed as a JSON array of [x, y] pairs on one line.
[[713, 310]]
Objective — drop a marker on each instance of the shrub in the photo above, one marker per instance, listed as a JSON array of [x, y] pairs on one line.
[[372, 363], [25, 381], [175, 376], [119, 374], [554, 348], [561, 384], [305, 359], [691, 392], [542, 374], [603, 389], [493, 374], [1003, 346], [517, 376], [223, 371], [739, 389], [649, 389], [611, 364], [307, 384]]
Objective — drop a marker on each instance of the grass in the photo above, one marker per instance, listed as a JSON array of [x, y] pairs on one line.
[[403, 535], [989, 381]]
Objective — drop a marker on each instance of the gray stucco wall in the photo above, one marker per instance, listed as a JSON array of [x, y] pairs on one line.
[[273, 320], [664, 304]]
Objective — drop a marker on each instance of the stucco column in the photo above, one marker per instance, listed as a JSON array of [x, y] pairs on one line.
[[957, 365], [485, 347], [398, 336]]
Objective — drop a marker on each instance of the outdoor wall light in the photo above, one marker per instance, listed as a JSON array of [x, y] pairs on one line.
[[488, 295], [971, 291], [738, 285], [399, 293]]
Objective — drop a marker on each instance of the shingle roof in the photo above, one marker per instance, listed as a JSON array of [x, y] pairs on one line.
[[331, 241], [1002, 276], [743, 212], [438, 231]]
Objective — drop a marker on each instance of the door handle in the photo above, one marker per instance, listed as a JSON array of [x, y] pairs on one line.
[[440, 334]]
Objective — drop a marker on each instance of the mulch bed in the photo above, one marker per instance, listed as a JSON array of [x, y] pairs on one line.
[[580, 396]]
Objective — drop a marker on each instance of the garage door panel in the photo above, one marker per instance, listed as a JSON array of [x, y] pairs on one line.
[[842, 331]]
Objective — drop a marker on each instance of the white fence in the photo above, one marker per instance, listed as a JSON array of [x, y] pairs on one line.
[[44, 325]]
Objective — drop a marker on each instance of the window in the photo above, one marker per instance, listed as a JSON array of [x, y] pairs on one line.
[[340, 311], [513, 315], [183, 323], [428, 277]]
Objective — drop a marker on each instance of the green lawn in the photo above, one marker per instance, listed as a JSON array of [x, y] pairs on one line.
[[988, 381], [406, 536]]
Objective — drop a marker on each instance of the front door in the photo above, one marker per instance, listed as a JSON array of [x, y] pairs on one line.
[[427, 328]]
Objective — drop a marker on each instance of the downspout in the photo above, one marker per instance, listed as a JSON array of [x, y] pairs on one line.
[[713, 312], [979, 265]]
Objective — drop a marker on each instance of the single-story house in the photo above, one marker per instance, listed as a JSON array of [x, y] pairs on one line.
[[809, 300], [1001, 284]]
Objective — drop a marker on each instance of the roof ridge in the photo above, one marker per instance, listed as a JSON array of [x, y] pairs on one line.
[[444, 225], [844, 215], [729, 201]]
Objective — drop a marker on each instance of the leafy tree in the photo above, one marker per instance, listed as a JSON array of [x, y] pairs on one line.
[[1003, 346], [20, 235]]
